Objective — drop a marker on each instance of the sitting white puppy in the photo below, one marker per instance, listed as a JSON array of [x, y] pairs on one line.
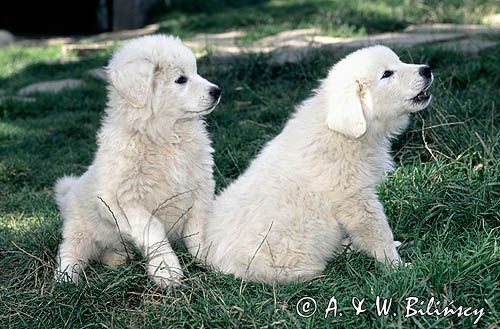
[[317, 181], [151, 180]]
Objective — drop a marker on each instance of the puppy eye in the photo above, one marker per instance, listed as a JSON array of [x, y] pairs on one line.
[[387, 74], [181, 80]]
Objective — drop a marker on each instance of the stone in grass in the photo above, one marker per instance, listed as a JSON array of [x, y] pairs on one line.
[[6, 38], [17, 99], [469, 46], [5, 97], [51, 86], [98, 73]]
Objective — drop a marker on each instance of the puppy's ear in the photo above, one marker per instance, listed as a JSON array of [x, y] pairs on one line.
[[133, 81], [345, 108]]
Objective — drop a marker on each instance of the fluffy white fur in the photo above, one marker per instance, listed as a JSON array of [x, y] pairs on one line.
[[316, 182], [153, 165]]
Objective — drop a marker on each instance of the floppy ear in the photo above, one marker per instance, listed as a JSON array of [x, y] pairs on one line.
[[133, 81], [345, 112]]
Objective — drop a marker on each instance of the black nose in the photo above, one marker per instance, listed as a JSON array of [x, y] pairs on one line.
[[425, 71], [215, 92]]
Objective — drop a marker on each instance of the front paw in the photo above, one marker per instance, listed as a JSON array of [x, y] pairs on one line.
[[388, 256], [68, 274], [165, 277], [396, 262]]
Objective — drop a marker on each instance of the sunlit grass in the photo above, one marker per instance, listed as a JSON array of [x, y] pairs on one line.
[[14, 59]]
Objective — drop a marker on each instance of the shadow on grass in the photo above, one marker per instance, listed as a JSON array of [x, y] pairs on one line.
[[337, 18], [55, 131], [333, 17]]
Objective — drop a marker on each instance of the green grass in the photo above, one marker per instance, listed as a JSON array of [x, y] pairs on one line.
[[332, 17], [443, 200]]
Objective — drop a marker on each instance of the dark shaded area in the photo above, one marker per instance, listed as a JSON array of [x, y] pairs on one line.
[[50, 17], [93, 16], [210, 6], [73, 17]]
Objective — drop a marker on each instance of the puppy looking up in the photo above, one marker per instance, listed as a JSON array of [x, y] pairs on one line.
[[152, 168], [286, 216]]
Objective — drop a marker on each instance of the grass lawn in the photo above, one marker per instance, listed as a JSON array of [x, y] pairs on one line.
[[333, 17], [443, 200]]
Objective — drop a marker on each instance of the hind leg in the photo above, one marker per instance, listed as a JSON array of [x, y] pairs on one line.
[[79, 244], [75, 251]]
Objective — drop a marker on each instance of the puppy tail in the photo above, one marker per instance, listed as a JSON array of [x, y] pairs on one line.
[[62, 187]]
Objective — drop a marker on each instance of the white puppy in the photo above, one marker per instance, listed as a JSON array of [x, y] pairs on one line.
[[317, 181], [151, 179]]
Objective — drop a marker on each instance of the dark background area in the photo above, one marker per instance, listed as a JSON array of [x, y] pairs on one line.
[[52, 17], [64, 17]]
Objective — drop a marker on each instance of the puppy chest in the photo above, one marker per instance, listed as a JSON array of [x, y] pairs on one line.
[[156, 177]]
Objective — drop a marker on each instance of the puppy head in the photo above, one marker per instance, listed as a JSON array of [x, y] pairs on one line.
[[371, 89], [159, 72]]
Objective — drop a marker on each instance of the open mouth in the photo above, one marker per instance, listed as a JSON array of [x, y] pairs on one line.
[[423, 96]]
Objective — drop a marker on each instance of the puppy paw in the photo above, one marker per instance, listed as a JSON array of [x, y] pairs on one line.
[[397, 244], [67, 275], [166, 277]]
